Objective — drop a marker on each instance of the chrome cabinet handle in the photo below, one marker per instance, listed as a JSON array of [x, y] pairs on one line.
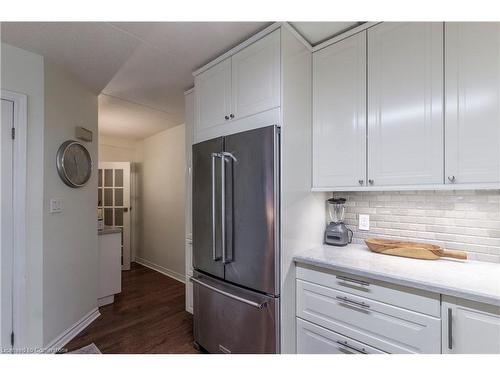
[[347, 300], [223, 156], [214, 245], [231, 115], [226, 117], [257, 305], [450, 332], [361, 182], [370, 181], [347, 345], [451, 178], [348, 279]]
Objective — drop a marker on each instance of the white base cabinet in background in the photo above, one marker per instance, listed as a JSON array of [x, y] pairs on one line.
[[189, 97], [110, 267], [469, 327], [189, 274]]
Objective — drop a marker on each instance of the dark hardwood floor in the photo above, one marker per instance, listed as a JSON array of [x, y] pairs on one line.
[[148, 316]]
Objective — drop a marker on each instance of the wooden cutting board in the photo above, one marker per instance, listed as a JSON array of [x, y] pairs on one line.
[[412, 249]]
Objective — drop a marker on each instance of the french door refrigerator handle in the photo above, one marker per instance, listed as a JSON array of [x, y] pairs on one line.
[[257, 305], [223, 156], [214, 244]]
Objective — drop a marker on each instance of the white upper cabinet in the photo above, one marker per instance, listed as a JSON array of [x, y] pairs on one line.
[[405, 104], [469, 327], [339, 114], [472, 80], [241, 92], [256, 77], [213, 96]]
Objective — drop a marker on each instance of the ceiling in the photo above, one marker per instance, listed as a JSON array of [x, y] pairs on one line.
[[317, 32], [141, 69]]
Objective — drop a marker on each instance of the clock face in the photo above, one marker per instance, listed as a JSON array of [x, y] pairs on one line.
[[74, 164]]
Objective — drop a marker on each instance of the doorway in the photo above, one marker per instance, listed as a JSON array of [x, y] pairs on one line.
[[12, 228], [7, 233], [113, 201]]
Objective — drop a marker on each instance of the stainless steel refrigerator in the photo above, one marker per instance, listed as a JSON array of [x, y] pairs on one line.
[[236, 242]]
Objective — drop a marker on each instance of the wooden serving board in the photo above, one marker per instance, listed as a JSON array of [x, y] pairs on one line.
[[412, 249]]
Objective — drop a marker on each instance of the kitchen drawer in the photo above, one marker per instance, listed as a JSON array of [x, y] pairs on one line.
[[408, 298], [386, 327], [313, 339]]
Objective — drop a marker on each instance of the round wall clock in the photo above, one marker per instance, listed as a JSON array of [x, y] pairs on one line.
[[74, 164]]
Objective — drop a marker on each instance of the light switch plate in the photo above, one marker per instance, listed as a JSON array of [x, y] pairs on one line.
[[56, 206], [364, 222]]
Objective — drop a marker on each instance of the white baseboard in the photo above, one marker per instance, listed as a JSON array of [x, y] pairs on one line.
[[59, 342], [174, 275]]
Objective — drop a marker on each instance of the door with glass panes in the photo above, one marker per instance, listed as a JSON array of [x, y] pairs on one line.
[[113, 198]]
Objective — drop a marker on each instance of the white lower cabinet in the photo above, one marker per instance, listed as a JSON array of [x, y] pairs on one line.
[[341, 313], [313, 339], [386, 327], [469, 327]]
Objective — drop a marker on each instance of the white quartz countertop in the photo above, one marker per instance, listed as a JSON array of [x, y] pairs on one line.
[[472, 280]]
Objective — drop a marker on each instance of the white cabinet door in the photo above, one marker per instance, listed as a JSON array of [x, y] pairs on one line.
[[339, 114], [213, 96], [472, 129], [469, 328], [405, 104], [256, 77]]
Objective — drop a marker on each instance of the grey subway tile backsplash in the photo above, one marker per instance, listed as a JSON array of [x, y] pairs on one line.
[[467, 220]]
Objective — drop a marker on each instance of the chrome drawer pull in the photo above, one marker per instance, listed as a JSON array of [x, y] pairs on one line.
[[347, 300], [450, 327], [259, 306], [348, 279], [346, 344]]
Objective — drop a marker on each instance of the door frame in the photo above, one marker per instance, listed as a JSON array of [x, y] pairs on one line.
[[19, 154]]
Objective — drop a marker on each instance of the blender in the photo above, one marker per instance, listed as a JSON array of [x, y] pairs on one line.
[[336, 232]]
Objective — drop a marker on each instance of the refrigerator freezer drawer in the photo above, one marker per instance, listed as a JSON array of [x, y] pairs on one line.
[[229, 319]]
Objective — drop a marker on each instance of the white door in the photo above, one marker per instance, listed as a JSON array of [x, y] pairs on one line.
[[7, 229], [339, 114], [213, 96], [405, 104], [113, 197], [469, 328], [256, 77], [472, 129]]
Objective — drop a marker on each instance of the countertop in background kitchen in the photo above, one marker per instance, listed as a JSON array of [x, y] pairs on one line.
[[109, 230], [472, 280]]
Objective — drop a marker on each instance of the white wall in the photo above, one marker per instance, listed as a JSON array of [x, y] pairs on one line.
[[22, 72], [117, 149], [162, 202], [70, 256]]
